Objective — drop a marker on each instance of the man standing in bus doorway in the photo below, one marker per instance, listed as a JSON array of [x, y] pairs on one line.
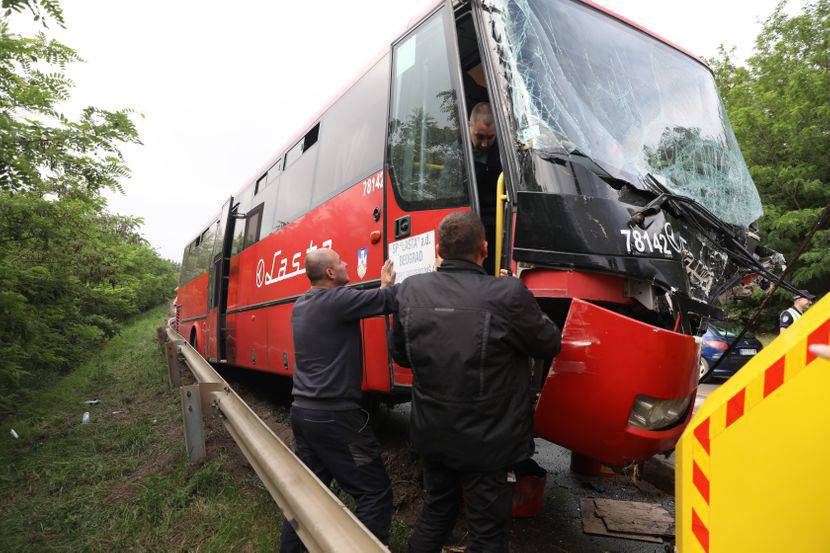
[[488, 168], [332, 435], [801, 303], [467, 337]]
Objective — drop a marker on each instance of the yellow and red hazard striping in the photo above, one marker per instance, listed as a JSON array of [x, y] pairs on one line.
[[765, 384], [700, 531], [701, 482]]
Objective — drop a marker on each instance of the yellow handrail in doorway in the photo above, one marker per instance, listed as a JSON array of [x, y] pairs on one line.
[[501, 198]]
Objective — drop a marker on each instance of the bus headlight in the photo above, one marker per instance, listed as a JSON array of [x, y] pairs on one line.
[[651, 413]]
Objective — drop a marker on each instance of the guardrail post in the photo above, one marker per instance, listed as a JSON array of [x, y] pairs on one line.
[[161, 336], [194, 426], [174, 376]]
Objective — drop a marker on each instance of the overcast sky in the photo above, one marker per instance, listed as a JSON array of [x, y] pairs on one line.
[[222, 85]]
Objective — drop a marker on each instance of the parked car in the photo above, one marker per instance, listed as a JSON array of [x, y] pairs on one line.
[[716, 340]]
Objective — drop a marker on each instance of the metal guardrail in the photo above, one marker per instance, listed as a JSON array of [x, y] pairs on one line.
[[321, 520]]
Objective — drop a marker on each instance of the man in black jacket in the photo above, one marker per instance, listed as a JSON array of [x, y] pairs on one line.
[[467, 337], [332, 435]]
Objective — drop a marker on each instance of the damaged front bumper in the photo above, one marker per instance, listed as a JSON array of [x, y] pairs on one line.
[[607, 361]]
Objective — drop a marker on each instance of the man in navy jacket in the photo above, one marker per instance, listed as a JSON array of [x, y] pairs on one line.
[[332, 435]]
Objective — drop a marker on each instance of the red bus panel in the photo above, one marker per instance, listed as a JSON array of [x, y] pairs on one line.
[[607, 360], [375, 355], [193, 298], [267, 277], [280, 339]]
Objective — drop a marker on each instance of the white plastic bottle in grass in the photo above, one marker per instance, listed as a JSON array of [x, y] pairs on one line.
[[85, 418]]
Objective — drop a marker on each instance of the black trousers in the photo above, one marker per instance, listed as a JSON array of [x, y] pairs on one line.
[[340, 445], [488, 500]]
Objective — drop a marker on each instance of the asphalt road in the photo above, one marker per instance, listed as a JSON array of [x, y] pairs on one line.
[[558, 527]]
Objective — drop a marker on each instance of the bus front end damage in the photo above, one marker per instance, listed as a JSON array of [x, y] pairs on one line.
[[633, 385], [632, 212]]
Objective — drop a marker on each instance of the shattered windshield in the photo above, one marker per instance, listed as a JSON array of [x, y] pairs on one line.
[[582, 81]]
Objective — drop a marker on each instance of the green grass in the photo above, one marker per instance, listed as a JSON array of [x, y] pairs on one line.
[[122, 481]]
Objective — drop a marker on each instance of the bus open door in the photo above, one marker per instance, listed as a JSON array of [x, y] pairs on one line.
[[216, 326]]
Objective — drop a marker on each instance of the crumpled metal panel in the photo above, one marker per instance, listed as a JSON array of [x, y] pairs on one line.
[[582, 82], [608, 359]]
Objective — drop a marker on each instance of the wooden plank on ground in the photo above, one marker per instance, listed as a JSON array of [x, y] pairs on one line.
[[635, 517], [592, 524]]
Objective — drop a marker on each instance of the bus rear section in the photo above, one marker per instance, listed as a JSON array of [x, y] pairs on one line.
[[192, 293]]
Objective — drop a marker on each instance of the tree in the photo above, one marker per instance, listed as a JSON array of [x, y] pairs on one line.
[[41, 150], [69, 271], [779, 106]]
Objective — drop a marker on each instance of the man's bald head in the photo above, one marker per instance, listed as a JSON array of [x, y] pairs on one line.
[[482, 113], [323, 266], [482, 126]]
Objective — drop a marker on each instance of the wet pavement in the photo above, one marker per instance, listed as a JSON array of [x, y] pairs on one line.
[[559, 526]]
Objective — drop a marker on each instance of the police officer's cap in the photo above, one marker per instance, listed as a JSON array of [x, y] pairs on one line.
[[804, 294]]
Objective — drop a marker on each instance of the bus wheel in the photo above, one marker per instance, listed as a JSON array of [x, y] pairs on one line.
[[193, 341]]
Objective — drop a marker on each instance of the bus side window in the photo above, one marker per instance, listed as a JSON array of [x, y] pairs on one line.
[[204, 250], [187, 263], [297, 179], [252, 226], [294, 154], [260, 184], [267, 179], [425, 149], [351, 148]]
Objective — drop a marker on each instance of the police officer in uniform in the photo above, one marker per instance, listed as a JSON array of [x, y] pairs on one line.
[[801, 303]]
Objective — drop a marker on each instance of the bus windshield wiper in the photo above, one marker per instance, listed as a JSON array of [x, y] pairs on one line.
[[700, 217], [580, 158]]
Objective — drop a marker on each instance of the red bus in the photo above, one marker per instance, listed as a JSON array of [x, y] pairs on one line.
[[621, 177]]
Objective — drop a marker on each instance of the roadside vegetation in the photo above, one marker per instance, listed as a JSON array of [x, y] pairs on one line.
[[122, 481], [779, 106], [70, 272]]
